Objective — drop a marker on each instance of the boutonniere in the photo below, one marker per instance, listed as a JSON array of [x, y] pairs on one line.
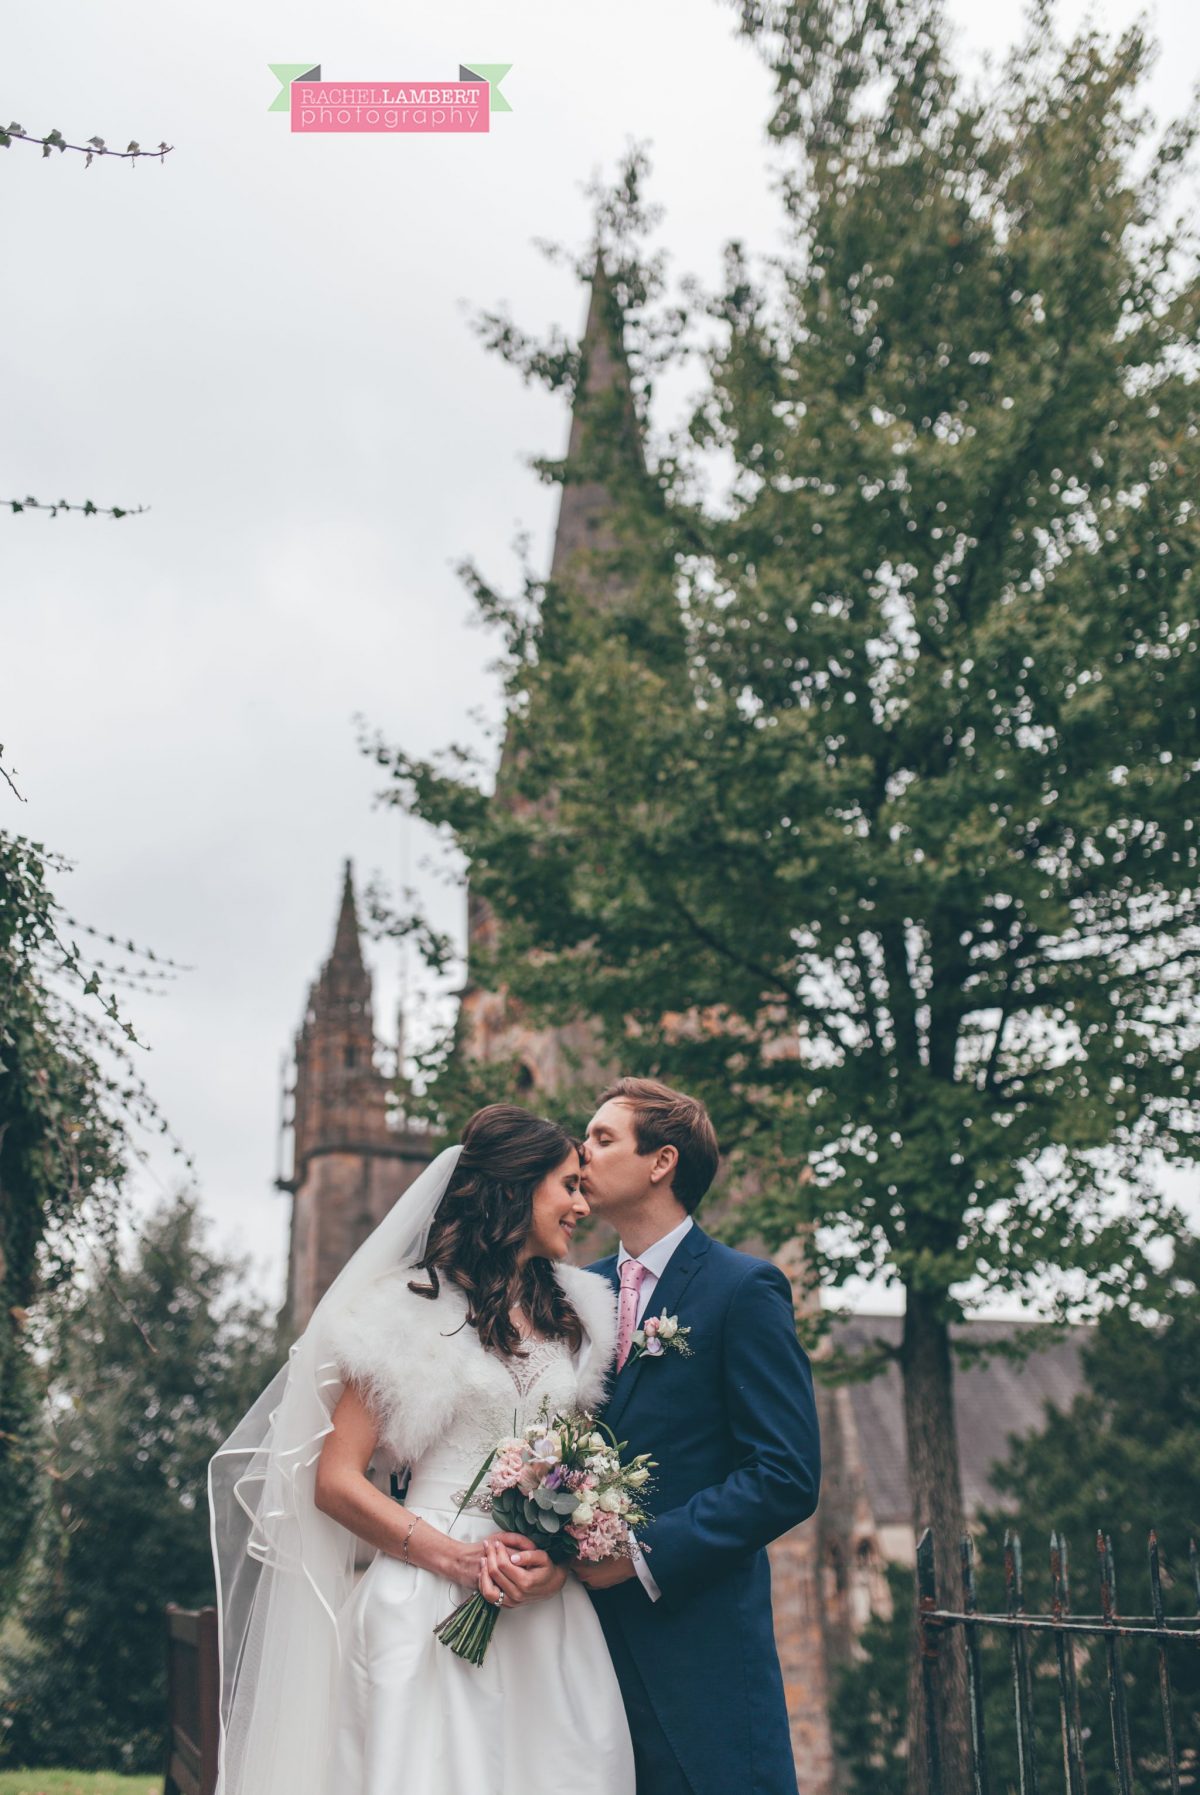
[[660, 1334]]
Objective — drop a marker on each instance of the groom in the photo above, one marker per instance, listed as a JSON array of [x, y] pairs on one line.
[[730, 1418]]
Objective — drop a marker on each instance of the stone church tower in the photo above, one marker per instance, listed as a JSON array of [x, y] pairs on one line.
[[350, 1158]]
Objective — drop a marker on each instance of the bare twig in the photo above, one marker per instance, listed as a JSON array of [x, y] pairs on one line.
[[9, 781]]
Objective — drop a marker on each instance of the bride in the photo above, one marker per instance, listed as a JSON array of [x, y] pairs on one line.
[[449, 1328]]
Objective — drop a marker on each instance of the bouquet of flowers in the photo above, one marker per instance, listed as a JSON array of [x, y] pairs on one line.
[[562, 1484]]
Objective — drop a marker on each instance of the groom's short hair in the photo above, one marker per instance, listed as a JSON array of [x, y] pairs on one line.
[[666, 1118]]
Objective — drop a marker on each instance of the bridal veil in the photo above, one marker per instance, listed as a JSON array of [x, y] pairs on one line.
[[284, 1570]]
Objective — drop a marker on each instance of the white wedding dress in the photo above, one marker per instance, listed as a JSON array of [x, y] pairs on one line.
[[543, 1712]]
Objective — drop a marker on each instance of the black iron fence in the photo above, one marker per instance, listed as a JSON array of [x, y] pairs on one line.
[[1167, 1634]]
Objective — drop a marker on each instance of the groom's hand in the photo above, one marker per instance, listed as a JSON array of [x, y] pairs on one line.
[[604, 1573]]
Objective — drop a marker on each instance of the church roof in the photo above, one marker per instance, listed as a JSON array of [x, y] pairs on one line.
[[993, 1401]]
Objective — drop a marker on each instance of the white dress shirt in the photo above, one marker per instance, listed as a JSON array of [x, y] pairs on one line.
[[655, 1260]]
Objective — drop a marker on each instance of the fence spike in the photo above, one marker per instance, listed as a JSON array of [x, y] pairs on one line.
[[1067, 1631], [1068, 1687], [974, 1669], [1022, 1685], [930, 1666], [1118, 1715], [1164, 1674]]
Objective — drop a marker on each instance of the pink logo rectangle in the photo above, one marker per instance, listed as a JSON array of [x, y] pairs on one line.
[[390, 106]]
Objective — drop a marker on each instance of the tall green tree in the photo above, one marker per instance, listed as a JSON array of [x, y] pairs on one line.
[[147, 1363], [70, 1094], [864, 804], [68, 1089], [1121, 1460]]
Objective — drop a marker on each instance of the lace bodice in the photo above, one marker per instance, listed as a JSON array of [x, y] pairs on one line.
[[542, 1375], [528, 1366]]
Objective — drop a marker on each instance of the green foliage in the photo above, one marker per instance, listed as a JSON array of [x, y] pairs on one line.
[[1123, 1459], [147, 1367], [449, 1087], [870, 1698], [59, 1145], [853, 786], [70, 1093]]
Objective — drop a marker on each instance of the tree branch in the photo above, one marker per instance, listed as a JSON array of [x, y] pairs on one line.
[[88, 509], [95, 146]]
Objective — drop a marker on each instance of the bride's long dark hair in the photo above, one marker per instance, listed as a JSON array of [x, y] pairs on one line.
[[483, 1221]]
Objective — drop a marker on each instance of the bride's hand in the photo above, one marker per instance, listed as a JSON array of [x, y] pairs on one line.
[[458, 1560], [525, 1574]]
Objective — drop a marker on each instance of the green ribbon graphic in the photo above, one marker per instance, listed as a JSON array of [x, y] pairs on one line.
[[287, 72], [491, 72]]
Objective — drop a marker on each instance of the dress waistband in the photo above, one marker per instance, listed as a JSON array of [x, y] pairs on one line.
[[437, 1492]]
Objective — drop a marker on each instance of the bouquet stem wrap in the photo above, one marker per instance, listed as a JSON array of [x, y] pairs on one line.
[[468, 1629]]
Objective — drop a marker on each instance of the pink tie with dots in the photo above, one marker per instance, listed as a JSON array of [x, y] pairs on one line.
[[632, 1273]]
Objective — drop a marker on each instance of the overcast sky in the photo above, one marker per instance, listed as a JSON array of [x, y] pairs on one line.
[[265, 339]]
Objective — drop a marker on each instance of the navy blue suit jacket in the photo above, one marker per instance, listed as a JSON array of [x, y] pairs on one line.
[[734, 1430]]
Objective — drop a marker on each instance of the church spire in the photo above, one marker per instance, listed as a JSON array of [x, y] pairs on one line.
[[340, 1095], [603, 400], [604, 429], [347, 945], [603, 395]]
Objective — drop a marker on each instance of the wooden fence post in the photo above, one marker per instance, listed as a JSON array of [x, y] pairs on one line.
[[193, 1701]]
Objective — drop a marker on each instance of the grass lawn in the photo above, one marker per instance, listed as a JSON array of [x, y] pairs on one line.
[[77, 1782]]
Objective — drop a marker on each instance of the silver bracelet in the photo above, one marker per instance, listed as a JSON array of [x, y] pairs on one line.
[[411, 1530]]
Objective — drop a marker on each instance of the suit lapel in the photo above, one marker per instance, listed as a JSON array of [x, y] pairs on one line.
[[682, 1267]]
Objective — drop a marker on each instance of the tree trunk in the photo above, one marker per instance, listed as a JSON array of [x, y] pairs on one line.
[[935, 1483], [20, 1486]]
